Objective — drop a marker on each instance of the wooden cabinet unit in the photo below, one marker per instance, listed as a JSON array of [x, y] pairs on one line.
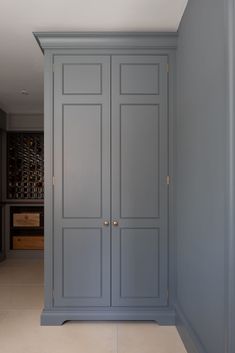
[[107, 119], [26, 228]]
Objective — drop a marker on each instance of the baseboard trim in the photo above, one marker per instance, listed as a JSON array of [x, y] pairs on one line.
[[186, 333], [56, 317]]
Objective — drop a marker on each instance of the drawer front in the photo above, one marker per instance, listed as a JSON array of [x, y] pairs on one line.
[[28, 242], [26, 220]]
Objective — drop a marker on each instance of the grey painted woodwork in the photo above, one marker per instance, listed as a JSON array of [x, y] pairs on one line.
[[82, 254], [83, 78], [139, 190], [205, 177], [230, 181], [82, 187], [88, 127], [82, 158], [107, 40], [82, 180], [57, 316]]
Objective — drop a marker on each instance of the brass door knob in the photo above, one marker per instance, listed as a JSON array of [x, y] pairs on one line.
[[115, 223], [106, 223]]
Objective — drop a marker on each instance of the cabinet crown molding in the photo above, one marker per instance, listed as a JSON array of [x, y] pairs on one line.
[[106, 40]]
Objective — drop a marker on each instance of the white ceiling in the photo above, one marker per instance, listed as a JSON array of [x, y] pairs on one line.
[[21, 61]]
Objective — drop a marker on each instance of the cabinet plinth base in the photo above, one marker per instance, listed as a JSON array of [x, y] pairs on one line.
[[58, 317]]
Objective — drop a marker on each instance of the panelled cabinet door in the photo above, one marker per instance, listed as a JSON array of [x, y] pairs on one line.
[[139, 190], [82, 180]]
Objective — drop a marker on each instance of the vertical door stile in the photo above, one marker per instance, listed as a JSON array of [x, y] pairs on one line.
[[139, 191], [82, 188]]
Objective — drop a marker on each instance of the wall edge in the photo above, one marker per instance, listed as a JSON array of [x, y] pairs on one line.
[[186, 332], [230, 178]]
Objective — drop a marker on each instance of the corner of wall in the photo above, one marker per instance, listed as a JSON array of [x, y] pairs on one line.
[[3, 119], [186, 332], [230, 177], [192, 340]]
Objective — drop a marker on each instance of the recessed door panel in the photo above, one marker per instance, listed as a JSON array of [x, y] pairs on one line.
[[82, 78], [82, 158], [139, 175], [139, 78], [139, 189], [82, 181], [139, 257], [82, 258]]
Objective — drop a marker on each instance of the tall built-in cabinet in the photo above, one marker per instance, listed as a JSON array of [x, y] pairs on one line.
[[108, 166]]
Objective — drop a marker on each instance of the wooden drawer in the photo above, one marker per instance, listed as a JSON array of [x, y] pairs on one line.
[[26, 219], [21, 242]]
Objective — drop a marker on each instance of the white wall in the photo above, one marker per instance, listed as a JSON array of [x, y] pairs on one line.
[[25, 122]]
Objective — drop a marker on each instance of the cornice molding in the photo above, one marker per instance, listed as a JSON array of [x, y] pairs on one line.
[[106, 40]]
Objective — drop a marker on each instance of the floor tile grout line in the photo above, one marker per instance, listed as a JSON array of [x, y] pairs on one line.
[[20, 310], [21, 285], [117, 339]]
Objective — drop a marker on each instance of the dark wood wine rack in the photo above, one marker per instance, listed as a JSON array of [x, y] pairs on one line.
[[25, 165]]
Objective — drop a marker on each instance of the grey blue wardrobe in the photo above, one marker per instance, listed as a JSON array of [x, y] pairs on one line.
[[108, 204]]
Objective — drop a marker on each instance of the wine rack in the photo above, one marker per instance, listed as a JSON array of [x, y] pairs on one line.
[[25, 166]]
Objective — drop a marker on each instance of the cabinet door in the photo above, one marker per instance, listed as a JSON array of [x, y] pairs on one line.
[[82, 180], [139, 190]]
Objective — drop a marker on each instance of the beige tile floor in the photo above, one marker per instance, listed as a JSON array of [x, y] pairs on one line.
[[21, 301]]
